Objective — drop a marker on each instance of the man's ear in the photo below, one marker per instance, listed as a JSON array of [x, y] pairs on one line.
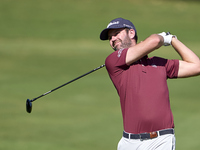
[[132, 33]]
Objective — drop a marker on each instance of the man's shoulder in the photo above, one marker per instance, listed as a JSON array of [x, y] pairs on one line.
[[158, 60], [116, 55], [116, 61]]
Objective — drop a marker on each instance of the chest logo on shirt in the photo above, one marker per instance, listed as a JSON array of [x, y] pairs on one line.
[[154, 66]]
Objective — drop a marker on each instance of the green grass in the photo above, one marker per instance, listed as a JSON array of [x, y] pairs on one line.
[[44, 44]]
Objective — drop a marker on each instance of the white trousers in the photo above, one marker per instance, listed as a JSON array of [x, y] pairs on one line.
[[164, 142]]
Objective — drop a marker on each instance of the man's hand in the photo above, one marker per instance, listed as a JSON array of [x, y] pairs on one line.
[[167, 38]]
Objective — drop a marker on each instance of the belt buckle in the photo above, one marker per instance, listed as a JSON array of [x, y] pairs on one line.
[[153, 135]]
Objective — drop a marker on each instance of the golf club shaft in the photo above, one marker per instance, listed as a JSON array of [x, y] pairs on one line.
[[68, 82]]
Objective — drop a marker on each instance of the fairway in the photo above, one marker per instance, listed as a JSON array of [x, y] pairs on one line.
[[44, 44]]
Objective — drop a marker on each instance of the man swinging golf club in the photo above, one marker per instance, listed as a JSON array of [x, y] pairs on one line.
[[141, 83]]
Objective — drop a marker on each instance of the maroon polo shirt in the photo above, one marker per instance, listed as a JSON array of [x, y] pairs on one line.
[[143, 91]]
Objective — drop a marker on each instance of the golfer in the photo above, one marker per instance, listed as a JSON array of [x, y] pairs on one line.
[[141, 83]]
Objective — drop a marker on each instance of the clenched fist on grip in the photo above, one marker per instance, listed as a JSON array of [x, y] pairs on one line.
[[167, 38]]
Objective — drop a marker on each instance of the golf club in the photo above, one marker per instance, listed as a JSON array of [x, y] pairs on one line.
[[29, 102]]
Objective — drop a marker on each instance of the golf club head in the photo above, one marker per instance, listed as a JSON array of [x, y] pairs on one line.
[[28, 106]]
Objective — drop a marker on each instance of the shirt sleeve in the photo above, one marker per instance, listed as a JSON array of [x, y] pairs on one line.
[[116, 62], [172, 67]]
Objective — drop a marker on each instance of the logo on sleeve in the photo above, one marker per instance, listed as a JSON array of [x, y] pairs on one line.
[[119, 52]]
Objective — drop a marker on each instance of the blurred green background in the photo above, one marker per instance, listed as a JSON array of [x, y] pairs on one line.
[[45, 43]]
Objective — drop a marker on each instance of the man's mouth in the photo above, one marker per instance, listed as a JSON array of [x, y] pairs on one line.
[[115, 43]]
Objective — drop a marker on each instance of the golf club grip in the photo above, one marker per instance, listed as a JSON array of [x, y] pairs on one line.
[[68, 82]]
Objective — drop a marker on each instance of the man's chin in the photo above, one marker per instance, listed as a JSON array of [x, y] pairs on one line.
[[116, 48]]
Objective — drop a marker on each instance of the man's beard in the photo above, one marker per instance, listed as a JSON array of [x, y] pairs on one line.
[[126, 43]]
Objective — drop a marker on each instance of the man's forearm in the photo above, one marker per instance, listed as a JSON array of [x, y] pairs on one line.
[[185, 53], [190, 63], [150, 44]]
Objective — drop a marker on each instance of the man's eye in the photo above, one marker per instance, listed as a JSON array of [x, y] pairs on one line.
[[114, 34], [117, 33]]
